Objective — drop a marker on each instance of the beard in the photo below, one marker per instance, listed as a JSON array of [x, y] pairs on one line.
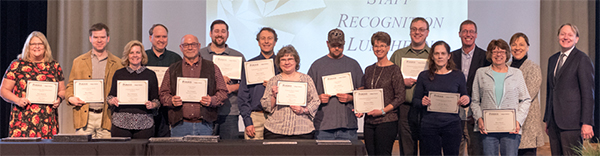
[[335, 56], [214, 41]]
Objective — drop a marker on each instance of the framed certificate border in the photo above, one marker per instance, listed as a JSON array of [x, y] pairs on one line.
[[444, 94], [203, 92], [405, 69], [160, 73], [122, 93], [29, 92], [287, 102], [270, 67], [487, 120], [358, 101], [238, 67], [99, 88], [349, 89]]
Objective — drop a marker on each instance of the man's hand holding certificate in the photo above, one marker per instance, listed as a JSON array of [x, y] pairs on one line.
[[41, 92], [498, 121], [230, 66], [259, 71], [338, 83], [291, 93], [367, 100], [411, 67]]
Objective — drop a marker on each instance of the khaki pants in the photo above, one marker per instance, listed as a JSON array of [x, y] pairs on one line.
[[258, 119], [94, 127]]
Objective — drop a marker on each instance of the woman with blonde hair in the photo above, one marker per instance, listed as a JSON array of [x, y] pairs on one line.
[[35, 63], [135, 121]]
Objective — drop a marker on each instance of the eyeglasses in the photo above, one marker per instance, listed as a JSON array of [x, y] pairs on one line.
[[36, 44], [498, 52], [468, 32], [189, 45], [418, 30]]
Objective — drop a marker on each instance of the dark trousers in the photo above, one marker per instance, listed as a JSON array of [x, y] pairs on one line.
[[379, 138], [562, 141], [226, 127], [408, 129], [161, 123], [134, 134], [475, 145], [270, 135], [528, 152], [446, 137]]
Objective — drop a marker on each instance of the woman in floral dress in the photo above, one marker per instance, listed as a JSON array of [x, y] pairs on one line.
[[34, 63]]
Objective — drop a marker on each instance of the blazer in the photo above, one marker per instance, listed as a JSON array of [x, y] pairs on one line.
[[532, 135], [477, 62], [570, 93], [82, 69], [515, 94]]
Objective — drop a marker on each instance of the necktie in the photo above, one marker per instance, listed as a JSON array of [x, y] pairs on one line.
[[560, 63]]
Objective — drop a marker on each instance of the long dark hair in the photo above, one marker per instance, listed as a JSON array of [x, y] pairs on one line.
[[431, 63]]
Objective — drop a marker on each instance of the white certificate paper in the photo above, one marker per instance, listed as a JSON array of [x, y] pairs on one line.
[[230, 66], [411, 67], [338, 83], [191, 89], [291, 93], [132, 92], [443, 102], [41, 92], [89, 90], [160, 73], [499, 120], [367, 100], [259, 71]]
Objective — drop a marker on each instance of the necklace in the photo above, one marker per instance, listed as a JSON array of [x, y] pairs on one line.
[[373, 85]]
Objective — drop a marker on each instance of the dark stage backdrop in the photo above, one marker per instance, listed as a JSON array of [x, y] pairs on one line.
[[19, 19]]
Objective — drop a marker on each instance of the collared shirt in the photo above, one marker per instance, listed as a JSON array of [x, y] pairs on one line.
[[230, 106], [165, 60], [191, 110], [138, 71], [564, 58], [408, 52], [98, 69], [466, 59], [249, 95]]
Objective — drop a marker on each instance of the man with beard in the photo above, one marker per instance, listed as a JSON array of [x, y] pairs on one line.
[[468, 59], [158, 55], [192, 118], [409, 117], [335, 118], [227, 123], [249, 95], [94, 117]]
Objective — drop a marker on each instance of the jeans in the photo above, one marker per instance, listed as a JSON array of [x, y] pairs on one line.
[[337, 134], [507, 143], [227, 127], [190, 128]]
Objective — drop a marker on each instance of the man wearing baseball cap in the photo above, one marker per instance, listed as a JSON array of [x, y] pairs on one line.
[[335, 119]]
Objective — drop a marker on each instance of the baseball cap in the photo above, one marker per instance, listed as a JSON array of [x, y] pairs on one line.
[[336, 36]]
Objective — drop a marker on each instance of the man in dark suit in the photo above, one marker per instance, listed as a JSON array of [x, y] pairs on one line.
[[468, 59], [570, 94]]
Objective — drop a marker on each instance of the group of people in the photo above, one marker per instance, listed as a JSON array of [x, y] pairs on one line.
[[482, 79]]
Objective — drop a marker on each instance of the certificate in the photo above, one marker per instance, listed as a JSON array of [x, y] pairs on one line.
[[259, 71], [191, 89], [89, 90], [132, 92], [291, 93], [499, 120], [230, 66], [367, 100], [160, 73], [338, 83], [411, 67], [443, 102], [41, 92]]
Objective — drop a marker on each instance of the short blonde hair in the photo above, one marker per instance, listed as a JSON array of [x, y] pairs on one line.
[[127, 50], [25, 53]]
